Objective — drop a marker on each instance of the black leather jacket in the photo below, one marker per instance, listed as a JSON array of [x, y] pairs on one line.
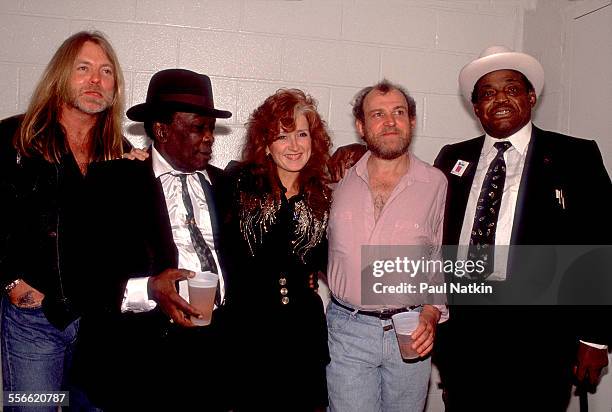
[[34, 223]]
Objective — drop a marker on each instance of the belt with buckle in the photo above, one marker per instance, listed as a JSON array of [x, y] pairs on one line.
[[384, 314]]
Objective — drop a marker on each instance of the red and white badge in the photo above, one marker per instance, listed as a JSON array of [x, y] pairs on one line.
[[460, 167]]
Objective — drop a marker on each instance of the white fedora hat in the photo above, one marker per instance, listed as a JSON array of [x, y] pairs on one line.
[[500, 58]]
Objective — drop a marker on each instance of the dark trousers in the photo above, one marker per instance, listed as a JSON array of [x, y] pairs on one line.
[[504, 359], [144, 362]]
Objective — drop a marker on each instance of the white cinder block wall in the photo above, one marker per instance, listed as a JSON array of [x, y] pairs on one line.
[[544, 37], [250, 48]]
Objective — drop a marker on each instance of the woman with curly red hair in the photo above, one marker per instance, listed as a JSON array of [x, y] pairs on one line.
[[279, 220]]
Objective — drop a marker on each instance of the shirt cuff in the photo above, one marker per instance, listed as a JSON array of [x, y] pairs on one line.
[[136, 298], [595, 345], [443, 312]]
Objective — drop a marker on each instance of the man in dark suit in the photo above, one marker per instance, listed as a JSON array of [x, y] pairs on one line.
[[500, 357], [152, 351]]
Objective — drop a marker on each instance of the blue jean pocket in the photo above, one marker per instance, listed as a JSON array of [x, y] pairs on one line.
[[23, 315], [337, 319]]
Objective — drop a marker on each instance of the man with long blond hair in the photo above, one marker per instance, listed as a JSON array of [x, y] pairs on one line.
[[73, 121]]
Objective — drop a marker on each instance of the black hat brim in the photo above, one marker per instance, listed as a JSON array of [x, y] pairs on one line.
[[146, 111]]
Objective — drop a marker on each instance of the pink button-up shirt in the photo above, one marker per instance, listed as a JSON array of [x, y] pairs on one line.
[[412, 215]]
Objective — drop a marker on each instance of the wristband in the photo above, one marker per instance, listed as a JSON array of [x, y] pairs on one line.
[[11, 286]]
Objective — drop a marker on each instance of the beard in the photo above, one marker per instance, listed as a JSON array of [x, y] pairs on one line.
[[88, 103], [382, 147]]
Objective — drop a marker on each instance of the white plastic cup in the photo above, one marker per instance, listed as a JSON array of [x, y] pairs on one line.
[[202, 290], [404, 324]]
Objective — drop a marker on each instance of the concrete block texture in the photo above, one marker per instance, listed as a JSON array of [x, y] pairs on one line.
[[395, 22], [548, 109], [207, 14], [341, 114], [115, 10], [449, 117], [224, 94], [427, 148], [544, 39], [10, 6], [28, 78], [252, 94], [9, 85], [31, 39], [472, 32], [341, 138], [419, 99], [231, 54], [333, 63], [138, 46], [424, 71], [312, 18], [135, 133], [140, 84], [250, 48], [228, 145]]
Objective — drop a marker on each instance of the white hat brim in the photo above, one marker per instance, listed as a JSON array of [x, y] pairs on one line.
[[520, 62]]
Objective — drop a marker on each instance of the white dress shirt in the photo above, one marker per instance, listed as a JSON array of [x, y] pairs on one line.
[[136, 298], [515, 162]]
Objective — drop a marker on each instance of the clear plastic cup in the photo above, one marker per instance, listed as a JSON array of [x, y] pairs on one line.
[[404, 324], [202, 290]]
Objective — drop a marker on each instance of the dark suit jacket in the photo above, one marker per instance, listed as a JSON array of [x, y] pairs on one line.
[[132, 222], [554, 162], [134, 238]]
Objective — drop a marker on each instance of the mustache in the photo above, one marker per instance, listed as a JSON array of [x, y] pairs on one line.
[[391, 129], [97, 89]]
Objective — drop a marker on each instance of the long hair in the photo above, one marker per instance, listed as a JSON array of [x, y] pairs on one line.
[[280, 110], [37, 135]]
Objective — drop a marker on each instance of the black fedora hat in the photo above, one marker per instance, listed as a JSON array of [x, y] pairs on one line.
[[178, 90]]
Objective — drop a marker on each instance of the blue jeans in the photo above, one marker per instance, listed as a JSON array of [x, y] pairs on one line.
[[35, 354], [366, 372]]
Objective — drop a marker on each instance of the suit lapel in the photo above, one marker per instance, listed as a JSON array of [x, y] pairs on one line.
[[536, 222], [460, 188], [535, 181], [169, 249], [471, 155], [213, 194]]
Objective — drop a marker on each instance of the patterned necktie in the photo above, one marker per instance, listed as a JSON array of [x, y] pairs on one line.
[[207, 261], [482, 240]]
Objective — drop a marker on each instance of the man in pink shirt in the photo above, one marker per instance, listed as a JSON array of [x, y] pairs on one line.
[[389, 198]]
